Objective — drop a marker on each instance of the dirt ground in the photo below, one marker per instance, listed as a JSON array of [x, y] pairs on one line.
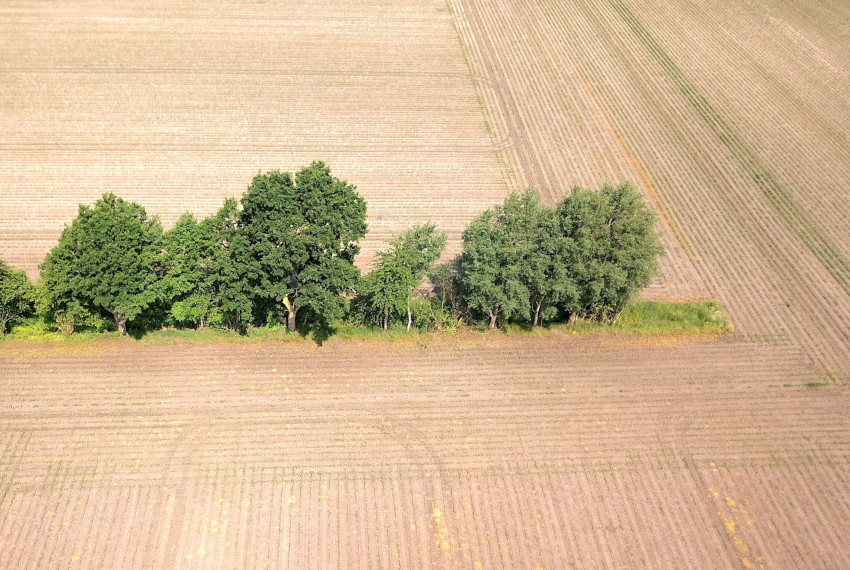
[[498, 453], [493, 451]]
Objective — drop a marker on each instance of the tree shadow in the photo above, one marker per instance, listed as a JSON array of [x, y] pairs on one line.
[[136, 333], [318, 332]]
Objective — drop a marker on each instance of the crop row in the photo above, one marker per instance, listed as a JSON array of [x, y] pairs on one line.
[[745, 233], [290, 455]]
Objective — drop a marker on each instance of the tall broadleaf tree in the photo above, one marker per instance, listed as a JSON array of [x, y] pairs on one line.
[[108, 260], [17, 295], [546, 271], [224, 264], [493, 264], [203, 270], [182, 283], [300, 238], [611, 251], [387, 289]]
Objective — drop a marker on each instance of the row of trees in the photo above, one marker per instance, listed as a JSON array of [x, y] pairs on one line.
[[584, 258], [285, 253]]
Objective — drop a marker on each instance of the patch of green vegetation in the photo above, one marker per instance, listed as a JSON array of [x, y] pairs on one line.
[[38, 329], [654, 317], [816, 384], [641, 318]]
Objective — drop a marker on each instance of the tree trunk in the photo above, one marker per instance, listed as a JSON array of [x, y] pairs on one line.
[[536, 313], [290, 314], [6, 315], [493, 319], [121, 321], [573, 318], [409, 317]]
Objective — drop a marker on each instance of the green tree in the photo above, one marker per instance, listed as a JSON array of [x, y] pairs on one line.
[[300, 238], [386, 291], [183, 283], [546, 268], [611, 249], [17, 295], [224, 261], [203, 270], [107, 259], [493, 265]]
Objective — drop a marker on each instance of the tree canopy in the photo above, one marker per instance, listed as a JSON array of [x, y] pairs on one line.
[[587, 257], [17, 295], [385, 292], [203, 273], [611, 248], [300, 238], [107, 260], [496, 248], [290, 243]]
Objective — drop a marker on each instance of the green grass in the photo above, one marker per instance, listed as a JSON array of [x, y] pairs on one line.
[[654, 317], [650, 318], [641, 318]]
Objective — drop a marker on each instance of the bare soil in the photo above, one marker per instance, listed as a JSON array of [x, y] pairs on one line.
[[494, 452], [507, 453]]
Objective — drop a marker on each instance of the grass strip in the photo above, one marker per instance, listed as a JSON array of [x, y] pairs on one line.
[[641, 318]]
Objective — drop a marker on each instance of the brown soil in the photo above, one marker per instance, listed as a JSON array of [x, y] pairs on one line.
[[493, 452], [520, 453]]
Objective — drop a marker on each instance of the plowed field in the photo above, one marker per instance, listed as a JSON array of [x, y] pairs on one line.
[[738, 137], [176, 105], [493, 452], [503, 453]]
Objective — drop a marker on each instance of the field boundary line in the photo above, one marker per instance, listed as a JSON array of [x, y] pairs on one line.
[[501, 142]]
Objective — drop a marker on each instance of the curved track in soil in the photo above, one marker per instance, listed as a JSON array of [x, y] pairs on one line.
[[503, 452], [492, 452]]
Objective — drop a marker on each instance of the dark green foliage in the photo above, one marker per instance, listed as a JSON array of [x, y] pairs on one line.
[[182, 277], [298, 239], [494, 263], [106, 260], [17, 296], [587, 257], [546, 271], [385, 293], [202, 276], [224, 262], [610, 248]]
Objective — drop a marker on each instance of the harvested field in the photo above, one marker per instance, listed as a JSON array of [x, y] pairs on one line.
[[709, 454], [177, 107], [733, 119], [494, 451]]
